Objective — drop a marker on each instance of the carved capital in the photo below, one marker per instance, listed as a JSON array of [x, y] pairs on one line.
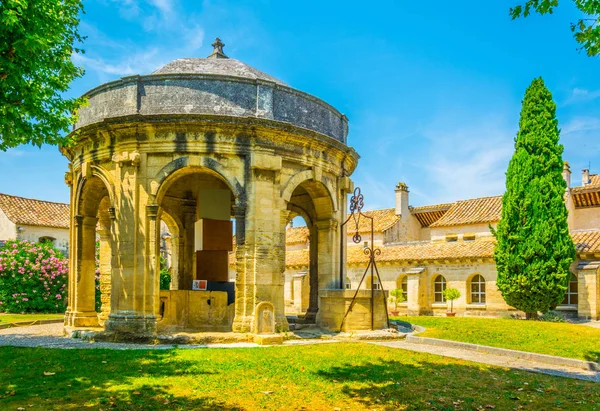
[[69, 178], [152, 211], [78, 220], [329, 224], [127, 158]]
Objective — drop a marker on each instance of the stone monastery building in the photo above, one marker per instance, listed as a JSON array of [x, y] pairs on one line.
[[428, 248]]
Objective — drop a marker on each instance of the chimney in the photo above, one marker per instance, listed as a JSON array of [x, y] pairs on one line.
[[567, 174], [402, 201], [585, 176]]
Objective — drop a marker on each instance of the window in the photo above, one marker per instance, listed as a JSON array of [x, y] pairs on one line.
[[478, 290], [439, 286], [469, 237], [376, 284], [348, 283], [451, 238], [571, 297], [46, 239], [404, 288]]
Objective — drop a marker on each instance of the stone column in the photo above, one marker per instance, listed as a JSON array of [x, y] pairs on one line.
[[313, 274], [414, 294], [105, 270], [176, 254], [327, 231], [259, 257], [152, 280], [189, 219], [82, 312]]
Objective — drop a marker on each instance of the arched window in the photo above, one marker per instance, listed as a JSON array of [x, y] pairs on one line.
[[439, 286], [348, 283], [47, 239], [478, 290], [571, 297], [402, 284]]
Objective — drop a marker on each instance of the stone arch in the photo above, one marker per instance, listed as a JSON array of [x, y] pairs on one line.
[[182, 166], [98, 174], [302, 177]]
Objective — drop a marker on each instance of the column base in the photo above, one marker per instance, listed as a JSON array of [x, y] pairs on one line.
[[130, 324], [242, 324], [81, 319]]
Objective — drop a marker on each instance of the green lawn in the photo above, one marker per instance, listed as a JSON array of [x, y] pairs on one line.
[[561, 339], [13, 318], [345, 376]]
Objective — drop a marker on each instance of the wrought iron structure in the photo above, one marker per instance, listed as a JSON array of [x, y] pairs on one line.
[[356, 205]]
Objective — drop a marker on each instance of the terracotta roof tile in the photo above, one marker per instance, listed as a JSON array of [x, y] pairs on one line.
[[586, 241], [297, 235], [28, 211], [382, 220], [474, 211], [429, 214]]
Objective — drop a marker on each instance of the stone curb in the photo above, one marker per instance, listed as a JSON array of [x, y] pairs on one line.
[[543, 358], [28, 323]]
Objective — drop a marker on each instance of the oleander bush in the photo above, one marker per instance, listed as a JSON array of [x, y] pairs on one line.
[[33, 278]]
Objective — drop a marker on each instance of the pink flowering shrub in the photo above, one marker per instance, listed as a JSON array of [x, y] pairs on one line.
[[33, 278]]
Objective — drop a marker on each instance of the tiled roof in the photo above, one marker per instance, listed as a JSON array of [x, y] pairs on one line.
[[297, 235], [594, 179], [474, 211], [586, 241], [28, 211], [382, 220], [429, 214]]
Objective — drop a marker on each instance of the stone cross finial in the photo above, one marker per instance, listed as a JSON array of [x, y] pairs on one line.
[[218, 50]]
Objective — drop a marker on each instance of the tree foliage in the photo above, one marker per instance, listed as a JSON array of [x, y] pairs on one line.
[[37, 40], [534, 249], [585, 30]]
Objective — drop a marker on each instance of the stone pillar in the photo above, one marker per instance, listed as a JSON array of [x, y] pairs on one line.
[[588, 292], [82, 312], [313, 274], [187, 261], [414, 291], [327, 231], [105, 270], [260, 251], [176, 254], [152, 281]]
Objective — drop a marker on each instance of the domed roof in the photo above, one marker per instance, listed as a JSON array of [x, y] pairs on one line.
[[217, 64]]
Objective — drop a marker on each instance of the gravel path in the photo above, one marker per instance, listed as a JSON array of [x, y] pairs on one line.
[[51, 336], [497, 360]]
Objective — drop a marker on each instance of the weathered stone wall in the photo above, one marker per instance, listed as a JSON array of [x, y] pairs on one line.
[[333, 305], [34, 233]]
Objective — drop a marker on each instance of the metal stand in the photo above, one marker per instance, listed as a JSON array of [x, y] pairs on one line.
[[356, 205]]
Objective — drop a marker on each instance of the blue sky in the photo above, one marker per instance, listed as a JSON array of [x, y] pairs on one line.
[[432, 89]]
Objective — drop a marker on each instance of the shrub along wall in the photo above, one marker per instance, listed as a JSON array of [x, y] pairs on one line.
[[33, 278]]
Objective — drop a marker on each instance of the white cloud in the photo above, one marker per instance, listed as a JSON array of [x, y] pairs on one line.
[[468, 161], [139, 63], [580, 95], [579, 124]]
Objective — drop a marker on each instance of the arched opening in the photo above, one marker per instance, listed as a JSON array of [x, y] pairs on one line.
[[195, 211], [402, 284], [571, 296], [47, 240], [92, 240], [311, 202], [439, 287]]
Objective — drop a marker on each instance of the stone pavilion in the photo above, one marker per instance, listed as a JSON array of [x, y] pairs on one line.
[[203, 145]]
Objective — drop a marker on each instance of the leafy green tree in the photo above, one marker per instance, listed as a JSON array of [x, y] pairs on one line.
[[534, 249], [586, 30], [37, 40]]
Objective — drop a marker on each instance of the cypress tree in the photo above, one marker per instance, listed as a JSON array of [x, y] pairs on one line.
[[534, 249]]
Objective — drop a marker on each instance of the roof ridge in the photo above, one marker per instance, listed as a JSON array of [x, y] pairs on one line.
[[34, 199]]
